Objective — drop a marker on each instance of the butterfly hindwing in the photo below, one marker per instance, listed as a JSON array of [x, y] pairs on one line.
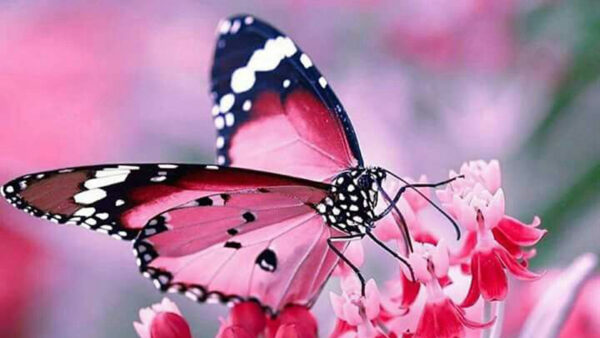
[[268, 245], [120, 199], [273, 110]]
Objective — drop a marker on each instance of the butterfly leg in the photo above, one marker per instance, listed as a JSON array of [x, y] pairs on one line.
[[348, 238]]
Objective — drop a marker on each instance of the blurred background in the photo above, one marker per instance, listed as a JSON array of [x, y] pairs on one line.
[[427, 84]]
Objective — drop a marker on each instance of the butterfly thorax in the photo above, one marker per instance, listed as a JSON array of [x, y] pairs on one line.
[[350, 204]]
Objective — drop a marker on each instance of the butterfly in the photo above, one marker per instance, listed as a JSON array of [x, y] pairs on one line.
[[272, 219]]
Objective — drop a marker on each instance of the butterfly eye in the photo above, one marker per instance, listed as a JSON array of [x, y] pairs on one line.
[[365, 182]]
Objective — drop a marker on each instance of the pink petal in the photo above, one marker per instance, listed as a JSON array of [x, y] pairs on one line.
[[169, 325], [513, 248], [355, 253], [297, 320], [471, 323], [142, 330], [492, 278], [350, 284], [439, 320], [248, 315], [410, 291], [419, 266], [235, 332], [494, 211], [520, 233], [491, 176], [467, 244], [414, 199], [294, 331], [514, 267], [387, 229], [466, 215], [337, 303], [440, 259], [372, 300], [474, 292], [351, 313]]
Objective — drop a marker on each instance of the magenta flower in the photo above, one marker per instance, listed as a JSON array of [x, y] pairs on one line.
[[441, 317], [248, 320], [493, 240], [358, 313], [162, 320]]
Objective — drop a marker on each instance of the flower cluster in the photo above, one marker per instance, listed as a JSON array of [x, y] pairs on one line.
[[443, 289]]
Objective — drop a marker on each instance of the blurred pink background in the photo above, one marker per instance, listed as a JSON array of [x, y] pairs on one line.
[[427, 85]]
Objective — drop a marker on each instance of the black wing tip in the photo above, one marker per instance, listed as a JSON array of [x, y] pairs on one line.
[[11, 192]]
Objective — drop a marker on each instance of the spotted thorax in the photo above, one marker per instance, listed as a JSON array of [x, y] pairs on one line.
[[352, 199]]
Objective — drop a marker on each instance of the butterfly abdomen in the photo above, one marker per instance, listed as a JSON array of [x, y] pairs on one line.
[[351, 201]]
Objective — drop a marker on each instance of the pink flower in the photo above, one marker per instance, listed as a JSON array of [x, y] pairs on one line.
[[357, 313], [248, 320], [493, 241], [162, 320], [294, 322], [441, 317]]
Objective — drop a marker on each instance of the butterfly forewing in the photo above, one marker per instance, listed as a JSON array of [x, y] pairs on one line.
[[273, 110], [120, 199]]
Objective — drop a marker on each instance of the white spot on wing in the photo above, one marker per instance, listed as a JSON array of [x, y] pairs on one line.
[[220, 159], [224, 26], [226, 102], [322, 82], [286, 83], [220, 142], [86, 212], [89, 196], [247, 105], [248, 20], [242, 80], [119, 203], [235, 27], [167, 166], [229, 119], [305, 60], [219, 122], [215, 110], [262, 60], [105, 181]]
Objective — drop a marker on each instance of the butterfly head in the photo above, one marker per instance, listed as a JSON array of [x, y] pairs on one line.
[[352, 200]]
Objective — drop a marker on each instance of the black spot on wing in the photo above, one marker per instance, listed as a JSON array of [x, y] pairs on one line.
[[233, 245], [249, 217], [267, 260], [232, 231], [204, 201]]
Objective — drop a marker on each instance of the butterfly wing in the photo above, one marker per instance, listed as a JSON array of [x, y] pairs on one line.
[[273, 110], [267, 245], [118, 200]]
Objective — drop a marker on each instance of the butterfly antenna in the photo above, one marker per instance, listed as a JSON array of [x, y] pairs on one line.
[[403, 227], [414, 187]]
